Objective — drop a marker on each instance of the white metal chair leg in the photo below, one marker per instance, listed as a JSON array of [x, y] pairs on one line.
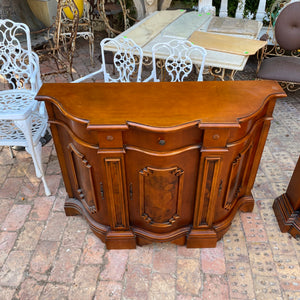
[[91, 48], [38, 164], [34, 151], [11, 152]]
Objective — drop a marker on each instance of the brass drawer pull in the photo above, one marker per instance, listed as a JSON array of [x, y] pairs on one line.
[[162, 142]]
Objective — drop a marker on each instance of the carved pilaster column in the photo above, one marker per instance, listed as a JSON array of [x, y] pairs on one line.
[[209, 181], [112, 156]]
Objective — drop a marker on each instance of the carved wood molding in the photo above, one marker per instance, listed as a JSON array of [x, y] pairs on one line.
[[161, 195], [77, 158], [240, 164], [116, 196], [207, 191]]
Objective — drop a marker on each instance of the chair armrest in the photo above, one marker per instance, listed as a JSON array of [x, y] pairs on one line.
[[152, 77], [36, 80], [88, 75]]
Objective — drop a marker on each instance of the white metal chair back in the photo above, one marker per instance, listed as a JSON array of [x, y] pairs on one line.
[[178, 59], [18, 64], [127, 60]]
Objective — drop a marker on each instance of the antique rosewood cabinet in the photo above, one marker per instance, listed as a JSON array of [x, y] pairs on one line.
[[158, 162]]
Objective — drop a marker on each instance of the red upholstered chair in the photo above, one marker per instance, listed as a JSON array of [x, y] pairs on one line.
[[285, 68]]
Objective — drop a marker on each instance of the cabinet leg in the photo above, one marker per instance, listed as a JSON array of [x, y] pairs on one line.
[[120, 240], [247, 204], [201, 239], [287, 206], [288, 219], [72, 208]]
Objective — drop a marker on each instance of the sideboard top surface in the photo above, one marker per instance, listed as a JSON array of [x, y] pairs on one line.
[[160, 104]]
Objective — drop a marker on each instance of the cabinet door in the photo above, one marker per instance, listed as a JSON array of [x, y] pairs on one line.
[[83, 176], [161, 187]]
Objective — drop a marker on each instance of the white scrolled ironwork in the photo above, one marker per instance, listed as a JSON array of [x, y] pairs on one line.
[[178, 59], [127, 61], [17, 63], [23, 121], [124, 59]]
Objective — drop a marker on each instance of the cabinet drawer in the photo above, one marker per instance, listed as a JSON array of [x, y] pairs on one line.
[[110, 139], [162, 141]]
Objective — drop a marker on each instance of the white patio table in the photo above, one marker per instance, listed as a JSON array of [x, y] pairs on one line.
[[228, 41]]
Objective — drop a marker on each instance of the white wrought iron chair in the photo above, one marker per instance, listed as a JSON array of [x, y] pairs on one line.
[[176, 57], [127, 60], [23, 120]]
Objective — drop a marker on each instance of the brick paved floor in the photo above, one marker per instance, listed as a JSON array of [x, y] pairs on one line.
[[46, 255]]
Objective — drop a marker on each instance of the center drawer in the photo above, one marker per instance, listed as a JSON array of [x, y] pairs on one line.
[[162, 141]]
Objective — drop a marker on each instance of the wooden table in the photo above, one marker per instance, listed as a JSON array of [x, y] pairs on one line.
[[238, 37], [287, 206], [159, 162]]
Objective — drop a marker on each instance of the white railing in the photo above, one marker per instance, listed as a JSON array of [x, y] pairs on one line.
[[260, 14], [206, 5]]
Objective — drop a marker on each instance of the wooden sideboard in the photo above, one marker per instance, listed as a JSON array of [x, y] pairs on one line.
[[158, 162], [287, 206]]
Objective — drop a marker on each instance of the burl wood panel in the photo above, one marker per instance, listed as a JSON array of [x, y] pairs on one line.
[[287, 206], [159, 162]]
